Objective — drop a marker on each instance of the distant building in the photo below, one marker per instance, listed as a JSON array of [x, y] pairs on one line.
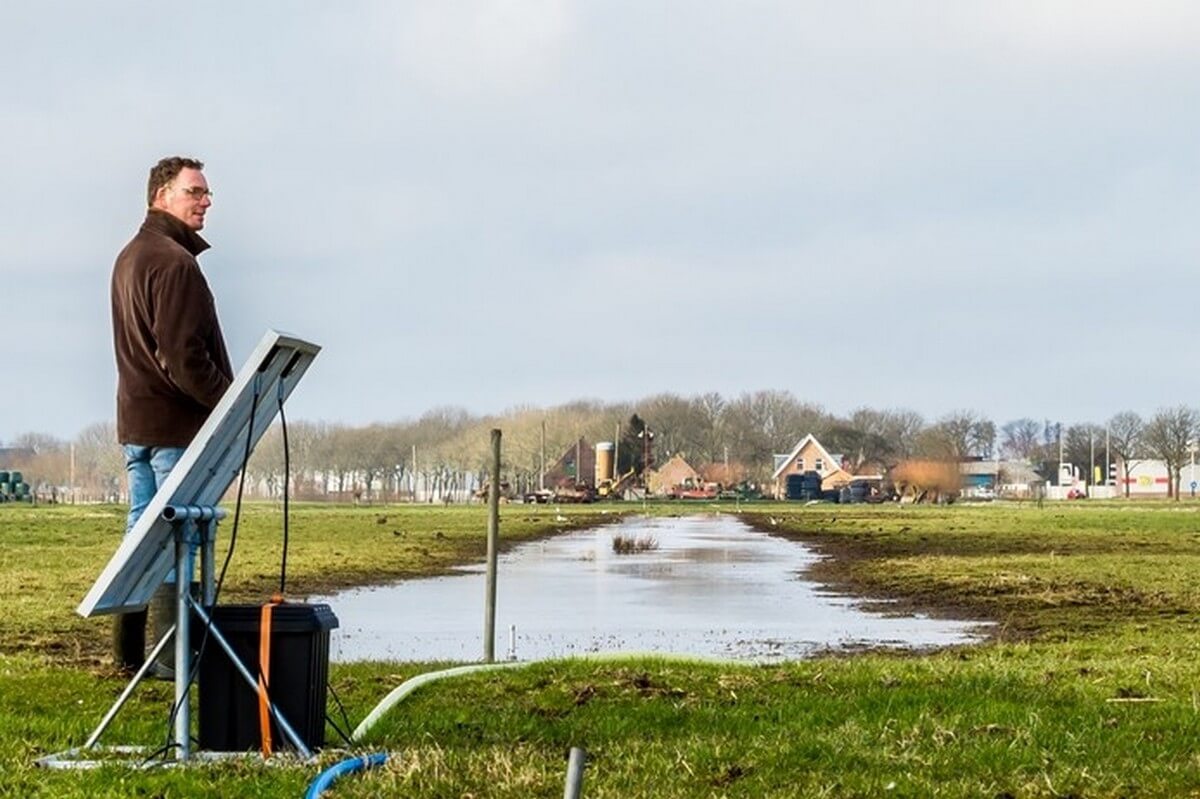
[[1149, 478], [809, 456], [674, 472], [576, 466], [982, 478]]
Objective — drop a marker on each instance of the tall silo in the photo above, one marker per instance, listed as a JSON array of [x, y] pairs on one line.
[[604, 462]]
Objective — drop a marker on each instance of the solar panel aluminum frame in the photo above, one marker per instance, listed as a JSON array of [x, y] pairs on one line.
[[207, 468]]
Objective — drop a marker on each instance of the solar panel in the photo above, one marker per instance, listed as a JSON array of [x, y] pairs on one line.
[[207, 468]]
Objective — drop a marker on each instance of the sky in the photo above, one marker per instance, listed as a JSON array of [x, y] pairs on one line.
[[930, 205]]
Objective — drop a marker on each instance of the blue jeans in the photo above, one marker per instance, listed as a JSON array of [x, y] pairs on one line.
[[147, 468]]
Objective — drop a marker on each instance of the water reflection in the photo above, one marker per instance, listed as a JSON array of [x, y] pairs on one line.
[[713, 587]]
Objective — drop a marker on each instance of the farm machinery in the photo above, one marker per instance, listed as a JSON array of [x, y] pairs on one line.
[[13, 487]]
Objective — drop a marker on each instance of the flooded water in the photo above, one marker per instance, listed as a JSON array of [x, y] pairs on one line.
[[712, 587]]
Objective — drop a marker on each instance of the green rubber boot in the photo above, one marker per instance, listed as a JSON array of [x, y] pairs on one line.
[[162, 617], [129, 641]]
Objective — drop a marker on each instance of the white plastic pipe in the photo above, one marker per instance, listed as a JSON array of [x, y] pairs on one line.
[[405, 688]]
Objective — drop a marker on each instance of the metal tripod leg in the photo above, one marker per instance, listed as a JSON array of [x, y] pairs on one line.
[[128, 692]]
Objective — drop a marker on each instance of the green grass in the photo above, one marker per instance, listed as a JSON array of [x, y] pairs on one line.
[[1060, 570], [1006, 719], [1089, 687]]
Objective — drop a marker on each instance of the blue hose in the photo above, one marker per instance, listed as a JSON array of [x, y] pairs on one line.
[[338, 770]]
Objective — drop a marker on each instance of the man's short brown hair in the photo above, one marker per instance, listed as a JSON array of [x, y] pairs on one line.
[[167, 170]]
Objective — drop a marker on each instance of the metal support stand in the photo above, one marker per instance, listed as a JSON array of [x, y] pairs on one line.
[[194, 527], [185, 567]]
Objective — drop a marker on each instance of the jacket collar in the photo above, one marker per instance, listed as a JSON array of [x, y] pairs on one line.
[[173, 228]]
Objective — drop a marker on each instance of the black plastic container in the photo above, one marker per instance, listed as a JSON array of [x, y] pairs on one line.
[[298, 679]]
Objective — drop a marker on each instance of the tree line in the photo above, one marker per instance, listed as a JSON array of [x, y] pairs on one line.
[[443, 454]]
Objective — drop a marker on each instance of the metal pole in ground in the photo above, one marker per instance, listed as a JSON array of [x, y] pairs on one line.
[[493, 536], [575, 766]]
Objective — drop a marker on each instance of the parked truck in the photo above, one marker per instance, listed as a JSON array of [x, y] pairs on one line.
[[694, 489]]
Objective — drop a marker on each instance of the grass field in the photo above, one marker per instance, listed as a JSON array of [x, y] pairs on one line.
[[1089, 687]]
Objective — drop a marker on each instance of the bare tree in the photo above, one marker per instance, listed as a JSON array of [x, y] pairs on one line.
[[38, 442], [266, 463], [371, 456], [1125, 432], [900, 427], [1080, 445], [48, 467], [762, 423], [857, 446], [1019, 439], [302, 438], [1169, 435], [708, 429], [882, 438], [710, 414], [677, 424], [333, 453], [959, 435], [99, 462]]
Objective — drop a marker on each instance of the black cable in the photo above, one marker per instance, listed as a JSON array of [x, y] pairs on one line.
[[237, 512], [286, 480], [163, 750], [159, 752], [283, 562], [333, 723], [342, 708]]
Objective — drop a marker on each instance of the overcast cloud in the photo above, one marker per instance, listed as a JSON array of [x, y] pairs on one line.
[[931, 205]]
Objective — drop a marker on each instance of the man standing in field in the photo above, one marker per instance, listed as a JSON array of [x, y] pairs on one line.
[[172, 365]]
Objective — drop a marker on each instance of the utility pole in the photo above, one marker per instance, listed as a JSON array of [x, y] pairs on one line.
[[1192, 452], [1107, 462], [617, 453], [542, 473], [1060, 455], [645, 436], [1092, 454]]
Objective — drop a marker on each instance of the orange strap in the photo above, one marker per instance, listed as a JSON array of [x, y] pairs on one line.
[[264, 671]]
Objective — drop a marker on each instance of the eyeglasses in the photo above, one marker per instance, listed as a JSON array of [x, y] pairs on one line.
[[197, 192]]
